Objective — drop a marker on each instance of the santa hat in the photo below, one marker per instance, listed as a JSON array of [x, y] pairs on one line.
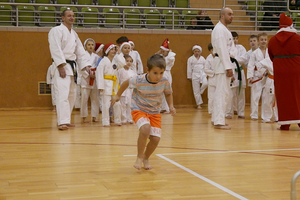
[[89, 39], [165, 45], [197, 47], [131, 42], [285, 21], [125, 43], [98, 47], [108, 47]]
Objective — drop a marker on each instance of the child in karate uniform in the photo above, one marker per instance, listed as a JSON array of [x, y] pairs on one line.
[[124, 74], [170, 60], [108, 84], [195, 73], [136, 56], [88, 85], [209, 71]]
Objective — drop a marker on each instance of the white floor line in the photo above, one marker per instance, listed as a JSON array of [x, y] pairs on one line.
[[240, 151], [203, 178]]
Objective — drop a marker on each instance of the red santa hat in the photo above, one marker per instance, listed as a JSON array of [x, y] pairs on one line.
[[125, 43], [285, 21], [197, 47], [98, 47], [165, 45], [131, 42], [108, 47], [89, 39]]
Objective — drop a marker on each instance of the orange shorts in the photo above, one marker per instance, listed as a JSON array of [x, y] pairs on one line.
[[141, 118]]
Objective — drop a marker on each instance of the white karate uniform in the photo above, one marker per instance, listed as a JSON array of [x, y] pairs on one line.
[[125, 99], [268, 106], [209, 71], [88, 91], [195, 71], [238, 97], [104, 68], [65, 45], [121, 62], [223, 44], [49, 80], [139, 69], [170, 60], [256, 74]]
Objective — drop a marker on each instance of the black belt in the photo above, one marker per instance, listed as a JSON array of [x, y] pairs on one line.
[[286, 56], [73, 65], [233, 60]]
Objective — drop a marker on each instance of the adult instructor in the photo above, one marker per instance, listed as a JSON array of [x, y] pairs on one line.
[[66, 51], [284, 51], [223, 49]]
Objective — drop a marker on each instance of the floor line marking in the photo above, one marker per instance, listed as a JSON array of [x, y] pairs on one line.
[[203, 178], [222, 151]]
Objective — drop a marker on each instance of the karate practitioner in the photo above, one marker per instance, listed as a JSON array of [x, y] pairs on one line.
[[65, 48], [107, 83], [170, 60], [119, 59], [209, 71], [124, 74], [49, 80], [195, 73], [284, 51], [224, 48], [256, 73], [136, 56], [237, 88], [88, 84]]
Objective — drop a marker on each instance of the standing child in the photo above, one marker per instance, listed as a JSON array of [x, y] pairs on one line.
[[136, 56], [107, 83], [209, 70], [49, 79], [119, 58], [99, 50], [195, 73], [146, 108], [253, 41], [124, 74], [237, 87], [256, 73], [170, 60], [88, 86]]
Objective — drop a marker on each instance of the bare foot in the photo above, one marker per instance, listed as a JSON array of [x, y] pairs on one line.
[[147, 165], [223, 127], [84, 120], [70, 125], [228, 117], [62, 127], [138, 163], [131, 122], [199, 107], [95, 120], [124, 123]]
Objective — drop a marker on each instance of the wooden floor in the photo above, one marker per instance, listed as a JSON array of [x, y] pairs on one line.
[[193, 161]]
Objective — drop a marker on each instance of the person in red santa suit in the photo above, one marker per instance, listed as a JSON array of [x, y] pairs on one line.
[[284, 51]]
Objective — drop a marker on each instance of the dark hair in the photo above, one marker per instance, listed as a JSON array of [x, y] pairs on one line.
[[64, 11], [210, 47], [122, 39], [253, 36], [156, 60], [234, 34], [127, 56]]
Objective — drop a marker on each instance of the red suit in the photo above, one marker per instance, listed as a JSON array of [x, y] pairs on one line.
[[284, 51]]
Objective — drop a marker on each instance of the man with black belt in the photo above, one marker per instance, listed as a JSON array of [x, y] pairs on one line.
[[224, 48], [66, 50]]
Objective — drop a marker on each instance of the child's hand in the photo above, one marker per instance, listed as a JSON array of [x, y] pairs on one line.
[[114, 99], [172, 111]]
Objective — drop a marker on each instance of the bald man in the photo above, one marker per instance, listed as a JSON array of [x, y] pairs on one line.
[[223, 49]]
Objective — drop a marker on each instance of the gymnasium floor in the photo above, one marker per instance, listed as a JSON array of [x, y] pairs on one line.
[[253, 161]]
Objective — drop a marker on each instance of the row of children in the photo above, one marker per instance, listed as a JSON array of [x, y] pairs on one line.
[[111, 65], [259, 75]]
